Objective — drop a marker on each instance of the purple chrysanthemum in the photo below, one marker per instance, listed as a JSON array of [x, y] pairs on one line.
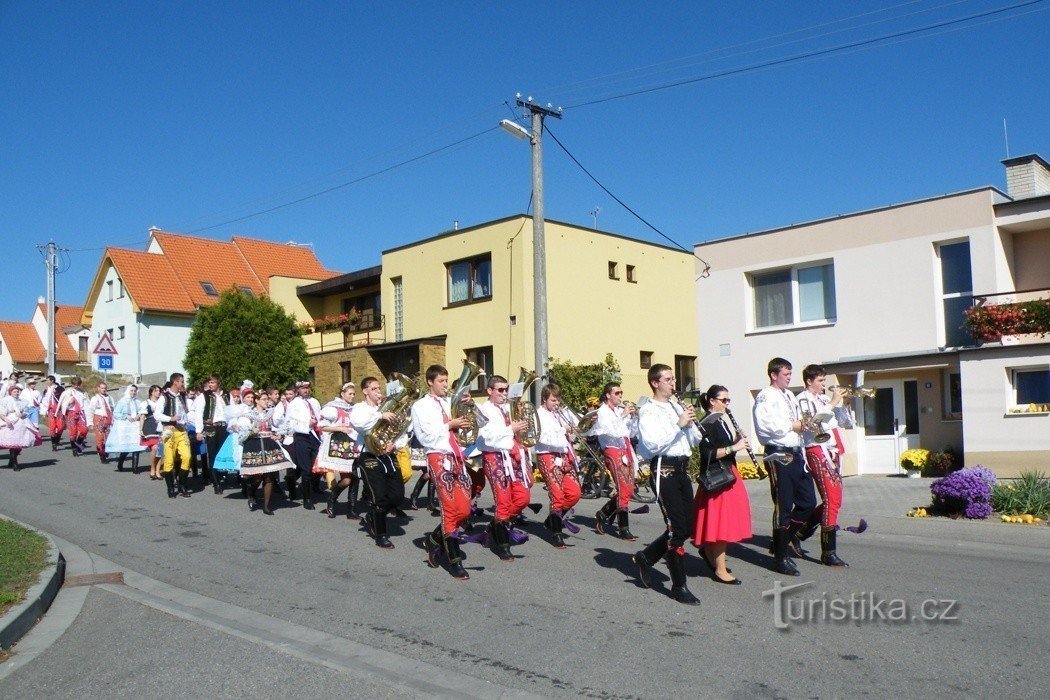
[[965, 492]]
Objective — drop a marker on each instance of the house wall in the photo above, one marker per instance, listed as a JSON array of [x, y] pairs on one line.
[[1032, 259], [589, 315], [163, 343], [1004, 442], [114, 313]]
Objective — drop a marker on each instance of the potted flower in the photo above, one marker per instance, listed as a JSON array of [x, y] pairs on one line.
[[913, 461]]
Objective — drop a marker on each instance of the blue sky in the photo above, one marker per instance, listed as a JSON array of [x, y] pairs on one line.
[[118, 116]]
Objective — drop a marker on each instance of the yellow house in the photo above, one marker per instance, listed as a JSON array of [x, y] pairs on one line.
[[467, 293]]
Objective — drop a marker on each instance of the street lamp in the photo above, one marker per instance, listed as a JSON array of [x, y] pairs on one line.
[[539, 249]]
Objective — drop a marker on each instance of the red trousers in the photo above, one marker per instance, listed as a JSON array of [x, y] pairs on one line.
[[453, 490], [561, 480], [101, 424], [828, 481], [78, 429], [55, 423], [622, 473], [511, 495]]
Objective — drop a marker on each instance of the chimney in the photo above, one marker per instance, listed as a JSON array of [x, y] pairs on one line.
[[1027, 176]]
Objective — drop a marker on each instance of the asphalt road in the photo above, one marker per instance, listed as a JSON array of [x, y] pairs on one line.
[[564, 623]]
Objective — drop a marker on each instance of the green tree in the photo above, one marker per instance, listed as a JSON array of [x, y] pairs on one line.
[[579, 382], [244, 337]]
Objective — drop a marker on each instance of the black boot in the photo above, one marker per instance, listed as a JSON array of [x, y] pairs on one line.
[[500, 540], [134, 462], [783, 565], [623, 519], [801, 532], [333, 496], [308, 494], [679, 589], [554, 524], [455, 559], [120, 462], [379, 521], [603, 518], [215, 478], [184, 487], [13, 462], [828, 557], [290, 485], [351, 512], [169, 479], [648, 556], [432, 499], [416, 490], [433, 543]]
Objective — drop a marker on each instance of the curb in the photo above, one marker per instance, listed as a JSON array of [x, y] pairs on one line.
[[21, 618]]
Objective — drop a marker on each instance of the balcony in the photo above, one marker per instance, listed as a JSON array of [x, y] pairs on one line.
[[1020, 313], [343, 331]]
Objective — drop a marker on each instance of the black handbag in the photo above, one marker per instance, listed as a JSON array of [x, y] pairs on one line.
[[716, 476], [149, 424]]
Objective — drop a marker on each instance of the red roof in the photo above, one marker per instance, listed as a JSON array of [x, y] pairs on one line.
[[23, 344], [65, 317], [174, 279]]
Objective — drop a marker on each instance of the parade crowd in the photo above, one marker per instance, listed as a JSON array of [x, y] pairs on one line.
[[283, 443]]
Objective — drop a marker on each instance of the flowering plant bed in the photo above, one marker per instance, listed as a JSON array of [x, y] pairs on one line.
[[990, 323], [965, 493]]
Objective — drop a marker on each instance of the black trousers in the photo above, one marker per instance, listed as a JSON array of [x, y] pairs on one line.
[[383, 478], [791, 487], [214, 443], [304, 452], [676, 503]]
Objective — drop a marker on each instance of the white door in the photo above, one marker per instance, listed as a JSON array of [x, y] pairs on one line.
[[890, 421]]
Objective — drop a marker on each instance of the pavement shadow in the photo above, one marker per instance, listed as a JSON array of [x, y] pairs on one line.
[[755, 552], [622, 562], [32, 465]]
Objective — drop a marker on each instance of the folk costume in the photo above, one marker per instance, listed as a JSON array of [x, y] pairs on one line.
[[149, 426], [100, 408], [381, 472], [448, 472], [227, 459], [822, 458], [508, 471], [556, 460], [33, 399], [209, 416], [301, 418], [173, 415], [72, 406], [261, 456], [338, 454], [124, 438], [613, 429], [16, 432], [791, 488], [56, 423], [724, 516], [668, 447]]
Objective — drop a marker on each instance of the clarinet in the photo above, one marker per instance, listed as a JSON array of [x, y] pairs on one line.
[[762, 474]]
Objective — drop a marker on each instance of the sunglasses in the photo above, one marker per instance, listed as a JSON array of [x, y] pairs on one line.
[[723, 400], [502, 389], [617, 393]]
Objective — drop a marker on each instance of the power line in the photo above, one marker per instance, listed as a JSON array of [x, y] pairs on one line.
[[351, 182], [806, 55], [707, 267]]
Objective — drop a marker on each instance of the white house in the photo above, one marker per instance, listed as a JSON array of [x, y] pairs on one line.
[[22, 343], [879, 297], [147, 301]]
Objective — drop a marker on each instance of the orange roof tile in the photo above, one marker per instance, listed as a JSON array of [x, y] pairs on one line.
[[23, 344], [197, 260], [267, 259], [150, 280]]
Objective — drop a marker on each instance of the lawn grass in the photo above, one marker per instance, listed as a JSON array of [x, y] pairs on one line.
[[23, 555]]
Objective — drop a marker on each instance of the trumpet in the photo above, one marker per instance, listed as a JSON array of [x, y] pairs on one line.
[[851, 392]]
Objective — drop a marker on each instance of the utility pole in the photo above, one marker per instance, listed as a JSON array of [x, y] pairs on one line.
[[539, 247], [49, 251]]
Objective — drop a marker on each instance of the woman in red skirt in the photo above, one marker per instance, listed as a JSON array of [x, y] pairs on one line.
[[725, 516]]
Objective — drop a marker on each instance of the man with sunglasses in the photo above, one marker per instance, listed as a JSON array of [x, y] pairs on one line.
[[613, 429], [506, 463]]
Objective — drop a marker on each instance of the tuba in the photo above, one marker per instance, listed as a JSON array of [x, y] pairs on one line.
[[468, 434], [386, 432], [523, 409]]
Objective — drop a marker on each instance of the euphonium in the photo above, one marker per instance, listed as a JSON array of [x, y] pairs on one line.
[[385, 432], [810, 424], [523, 409], [468, 434]]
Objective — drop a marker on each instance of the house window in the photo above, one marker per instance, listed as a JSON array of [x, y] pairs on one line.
[[482, 357], [120, 288], [645, 359], [630, 274], [953, 396], [109, 290], [120, 332], [399, 310], [344, 369], [246, 291], [613, 272], [469, 280], [956, 292], [800, 295], [368, 306], [82, 349], [1031, 386], [209, 289], [684, 372]]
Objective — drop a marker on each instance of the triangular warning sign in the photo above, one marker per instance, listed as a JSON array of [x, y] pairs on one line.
[[105, 346]]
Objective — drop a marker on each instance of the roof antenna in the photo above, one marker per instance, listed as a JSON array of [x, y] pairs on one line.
[[1006, 137]]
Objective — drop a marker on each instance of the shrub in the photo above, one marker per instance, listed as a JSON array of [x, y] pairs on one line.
[[1028, 494], [939, 463], [966, 492]]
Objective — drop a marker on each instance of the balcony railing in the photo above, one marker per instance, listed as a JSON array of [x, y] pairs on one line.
[[367, 329], [1022, 312]]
